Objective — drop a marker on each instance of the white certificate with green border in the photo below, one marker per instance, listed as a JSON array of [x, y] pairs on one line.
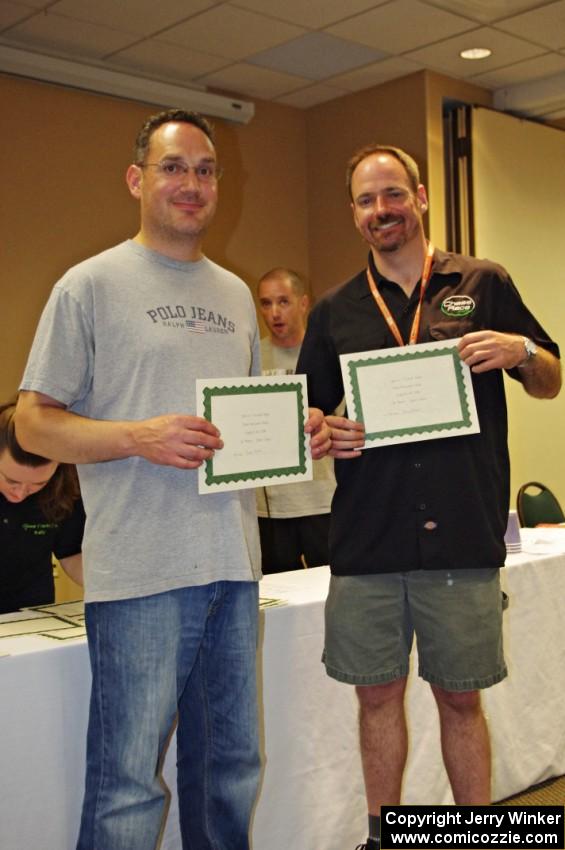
[[417, 392], [261, 421]]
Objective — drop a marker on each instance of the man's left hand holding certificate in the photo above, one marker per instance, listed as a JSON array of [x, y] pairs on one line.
[[264, 424]]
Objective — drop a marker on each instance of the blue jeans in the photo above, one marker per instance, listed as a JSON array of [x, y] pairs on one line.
[[192, 652]]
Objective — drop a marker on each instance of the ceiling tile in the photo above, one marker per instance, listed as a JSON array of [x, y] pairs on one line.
[[230, 32], [251, 81], [139, 16], [296, 52], [310, 96], [374, 75], [411, 24], [445, 56], [316, 56], [153, 57], [77, 39], [544, 26], [314, 14], [486, 11], [521, 72], [11, 13]]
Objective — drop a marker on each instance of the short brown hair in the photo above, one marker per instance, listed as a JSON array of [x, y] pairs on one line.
[[298, 285], [409, 164], [152, 123]]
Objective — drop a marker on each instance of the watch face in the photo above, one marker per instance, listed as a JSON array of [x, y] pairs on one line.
[[531, 347]]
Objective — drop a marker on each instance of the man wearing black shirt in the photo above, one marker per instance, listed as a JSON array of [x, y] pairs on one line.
[[417, 530]]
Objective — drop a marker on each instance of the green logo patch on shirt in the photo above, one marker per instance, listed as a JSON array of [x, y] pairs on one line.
[[457, 306], [39, 529]]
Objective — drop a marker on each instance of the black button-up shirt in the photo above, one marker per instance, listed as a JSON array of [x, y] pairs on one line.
[[434, 504]]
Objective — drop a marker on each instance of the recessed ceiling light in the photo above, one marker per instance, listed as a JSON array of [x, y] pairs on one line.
[[475, 53]]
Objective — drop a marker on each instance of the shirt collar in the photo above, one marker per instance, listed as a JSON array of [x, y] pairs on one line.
[[444, 263]]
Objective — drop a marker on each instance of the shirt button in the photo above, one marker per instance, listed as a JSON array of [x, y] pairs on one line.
[[422, 507], [417, 465]]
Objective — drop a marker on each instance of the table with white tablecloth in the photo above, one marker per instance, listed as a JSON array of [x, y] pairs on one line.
[[311, 791]]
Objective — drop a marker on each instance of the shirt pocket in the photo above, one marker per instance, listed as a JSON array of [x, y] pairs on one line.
[[450, 329], [373, 340]]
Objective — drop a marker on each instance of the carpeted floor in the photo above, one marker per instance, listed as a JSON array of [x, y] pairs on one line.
[[549, 793]]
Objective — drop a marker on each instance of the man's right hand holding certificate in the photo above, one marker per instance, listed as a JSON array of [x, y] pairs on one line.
[[347, 437]]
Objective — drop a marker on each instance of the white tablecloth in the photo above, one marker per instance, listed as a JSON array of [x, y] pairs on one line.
[[311, 793]]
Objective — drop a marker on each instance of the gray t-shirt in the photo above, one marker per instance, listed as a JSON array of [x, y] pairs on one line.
[[304, 498], [124, 336]]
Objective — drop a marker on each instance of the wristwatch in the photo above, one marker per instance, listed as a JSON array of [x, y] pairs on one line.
[[531, 351]]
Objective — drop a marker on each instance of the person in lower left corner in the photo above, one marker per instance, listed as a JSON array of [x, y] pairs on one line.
[[41, 515]]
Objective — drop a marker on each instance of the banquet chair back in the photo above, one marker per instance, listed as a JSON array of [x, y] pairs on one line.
[[537, 504]]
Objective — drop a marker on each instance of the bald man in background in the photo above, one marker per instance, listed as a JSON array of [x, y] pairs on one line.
[[294, 519]]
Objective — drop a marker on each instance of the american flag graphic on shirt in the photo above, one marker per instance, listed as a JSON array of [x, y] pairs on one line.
[[195, 326]]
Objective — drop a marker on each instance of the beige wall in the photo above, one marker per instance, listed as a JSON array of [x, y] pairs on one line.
[[394, 113], [261, 220], [407, 113], [518, 195], [63, 161]]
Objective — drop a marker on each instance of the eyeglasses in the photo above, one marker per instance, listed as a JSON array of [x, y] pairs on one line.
[[175, 169]]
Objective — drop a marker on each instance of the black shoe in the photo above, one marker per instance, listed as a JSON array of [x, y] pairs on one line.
[[372, 844]]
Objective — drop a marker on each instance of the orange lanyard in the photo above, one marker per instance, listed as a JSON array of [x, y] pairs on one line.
[[383, 307]]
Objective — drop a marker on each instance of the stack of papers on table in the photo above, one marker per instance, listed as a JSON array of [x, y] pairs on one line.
[[63, 621]]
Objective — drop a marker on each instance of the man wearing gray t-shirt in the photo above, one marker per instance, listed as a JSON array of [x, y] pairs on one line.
[[170, 576]]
